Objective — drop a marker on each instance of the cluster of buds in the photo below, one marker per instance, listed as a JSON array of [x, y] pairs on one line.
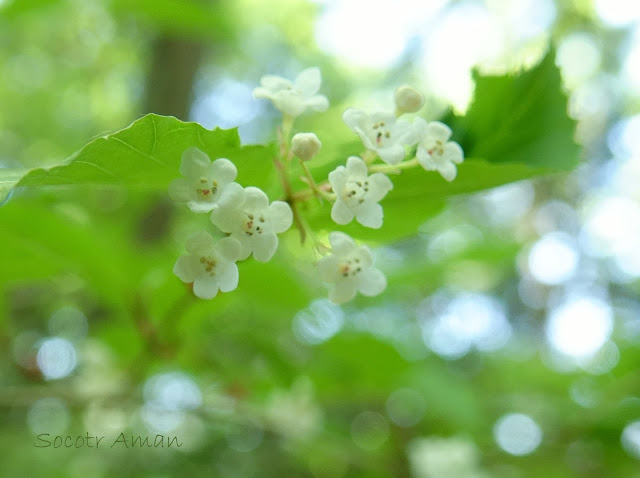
[[355, 190]]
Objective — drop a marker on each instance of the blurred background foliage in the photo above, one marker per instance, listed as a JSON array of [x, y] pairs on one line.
[[507, 343]]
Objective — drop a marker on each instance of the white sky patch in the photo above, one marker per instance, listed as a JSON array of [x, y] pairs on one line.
[[631, 65], [318, 322], [517, 434], [463, 37], [624, 137], [630, 439], [612, 229], [56, 358], [553, 259], [578, 57], [470, 320], [506, 204], [618, 13], [580, 326], [364, 33], [228, 104]]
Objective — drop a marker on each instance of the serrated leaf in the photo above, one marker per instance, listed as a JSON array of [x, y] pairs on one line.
[[146, 155], [521, 119]]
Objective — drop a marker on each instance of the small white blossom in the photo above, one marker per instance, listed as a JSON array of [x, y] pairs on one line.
[[408, 100], [211, 266], [381, 132], [357, 194], [305, 146], [203, 181], [293, 99], [247, 215], [350, 269], [435, 151]]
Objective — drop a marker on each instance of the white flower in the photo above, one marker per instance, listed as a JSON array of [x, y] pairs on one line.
[[381, 132], [203, 181], [350, 269], [293, 99], [408, 100], [210, 266], [435, 151], [357, 195], [247, 215], [305, 146]]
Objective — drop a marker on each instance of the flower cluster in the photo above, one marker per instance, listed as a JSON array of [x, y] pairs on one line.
[[252, 224], [243, 213]]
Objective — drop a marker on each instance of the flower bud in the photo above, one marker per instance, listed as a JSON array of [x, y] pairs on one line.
[[305, 146], [408, 100]]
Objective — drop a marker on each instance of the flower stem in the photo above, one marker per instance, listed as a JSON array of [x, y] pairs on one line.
[[394, 168]]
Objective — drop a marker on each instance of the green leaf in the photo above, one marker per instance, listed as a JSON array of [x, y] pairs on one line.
[[146, 155], [521, 119], [191, 17]]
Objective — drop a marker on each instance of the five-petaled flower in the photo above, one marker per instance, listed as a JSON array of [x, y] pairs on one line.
[[211, 266], [293, 98], [203, 181], [381, 132], [435, 151], [249, 218], [357, 194], [349, 268]]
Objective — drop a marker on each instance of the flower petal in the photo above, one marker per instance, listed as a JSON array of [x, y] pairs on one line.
[[357, 168], [317, 103], [369, 214], [341, 213], [425, 159], [261, 92], [328, 268], [393, 154], [246, 245], [308, 81], [289, 103], [201, 206], [438, 131], [419, 128], [228, 248], [355, 118], [255, 198], [366, 141], [200, 243], [205, 287], [228, 278], [341, 243], [380, 185], [232, 195], [181, 190], [338, 179], [405, 133], [364, 254], [371, 282], [194, 163], [275, 83], [264, 246], [342, 292], [223, 171], [226, 217], [382, 115], [453, 152], [187, 268], [280, 216], [447, 170]]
